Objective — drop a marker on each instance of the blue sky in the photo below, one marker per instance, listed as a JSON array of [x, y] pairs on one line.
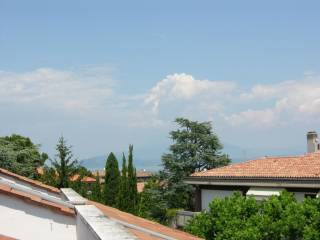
[[106, 74]]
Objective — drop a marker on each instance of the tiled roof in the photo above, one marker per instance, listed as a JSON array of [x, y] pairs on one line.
[[35, 200], [140, 174], [30, 181], [2, 237], [305, 166], [85, 179], [143, 223], [143, 174]]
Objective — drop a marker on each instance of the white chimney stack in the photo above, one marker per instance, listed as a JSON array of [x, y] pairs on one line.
[[312, 142]]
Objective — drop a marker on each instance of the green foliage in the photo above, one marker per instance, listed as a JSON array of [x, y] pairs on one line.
[[132, 183], [239, 217], [96, 190], [112, 181], [49, 177], [64, 164], [19, 155], [123, 201], [152, 204], [196, 147]]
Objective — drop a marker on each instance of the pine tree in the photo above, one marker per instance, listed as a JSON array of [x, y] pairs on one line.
[[64, 164], [123, 199], [112, 180], [132, 183]]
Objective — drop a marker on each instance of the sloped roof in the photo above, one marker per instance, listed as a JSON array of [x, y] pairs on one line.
[[140, 174], [30, 181], [3, 237], [85, 179], [305, 166], [35, 200], [143, 223], [144, 174]]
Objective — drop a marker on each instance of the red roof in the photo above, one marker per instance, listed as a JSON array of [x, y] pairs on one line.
[[305, 166], [84, 179], [3, 237], [30, 181], [143, 223], [35, 200]]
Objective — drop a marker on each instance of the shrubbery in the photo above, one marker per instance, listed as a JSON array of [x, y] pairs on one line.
[[240, 217]]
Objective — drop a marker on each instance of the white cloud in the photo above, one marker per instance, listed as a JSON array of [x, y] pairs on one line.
[[184, 87], [91, 89], [255, 118], [68, 90], [289, 101]]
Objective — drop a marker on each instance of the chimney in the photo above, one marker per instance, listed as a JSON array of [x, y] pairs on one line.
[[312, 142]]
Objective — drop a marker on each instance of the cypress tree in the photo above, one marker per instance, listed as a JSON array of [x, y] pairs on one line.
[[112, 180], [132, 183], [123, 199], [96, 191]]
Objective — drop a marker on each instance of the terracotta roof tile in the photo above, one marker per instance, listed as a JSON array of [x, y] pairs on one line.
[[140, 174], [144, 223], [30, 181], [84, 179], [143, 174], [3, 237], [35, 200], [305, 166]]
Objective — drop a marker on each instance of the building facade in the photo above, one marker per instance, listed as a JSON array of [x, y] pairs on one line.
[[262, 177]]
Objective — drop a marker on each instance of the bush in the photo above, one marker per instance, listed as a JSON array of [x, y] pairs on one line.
[[240, 217]]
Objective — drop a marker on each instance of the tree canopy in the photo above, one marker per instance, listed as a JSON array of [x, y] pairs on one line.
[[195, 148], [239, 217], [132, 183], [123, 197], [20, 155], [112, 180], [64, 163]]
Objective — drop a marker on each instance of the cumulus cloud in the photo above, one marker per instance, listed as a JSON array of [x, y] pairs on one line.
[[184, 86], [92, 89], [69, 90], [289, 101], [251, 117]]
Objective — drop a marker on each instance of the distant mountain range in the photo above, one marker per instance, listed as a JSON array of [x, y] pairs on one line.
[[98, 162], [152, 162]]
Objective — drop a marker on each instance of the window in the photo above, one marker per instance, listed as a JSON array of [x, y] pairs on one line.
[[310, 195]]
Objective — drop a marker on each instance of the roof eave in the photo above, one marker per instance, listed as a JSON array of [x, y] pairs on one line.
[[254, 181]]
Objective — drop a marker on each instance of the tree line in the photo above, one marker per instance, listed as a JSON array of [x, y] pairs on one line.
[[195, 147]]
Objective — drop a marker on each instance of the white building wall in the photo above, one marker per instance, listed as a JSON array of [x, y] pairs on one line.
[[208, 195], [299, 196], [26, 221], [83, 230]]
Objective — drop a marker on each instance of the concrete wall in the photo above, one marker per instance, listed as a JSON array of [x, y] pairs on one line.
[[207, 196], [26, 221], [83, 230]]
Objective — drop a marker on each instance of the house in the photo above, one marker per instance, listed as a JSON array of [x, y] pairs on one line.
[[84, 179], [262, 177], [32, 210], [142, 177]]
